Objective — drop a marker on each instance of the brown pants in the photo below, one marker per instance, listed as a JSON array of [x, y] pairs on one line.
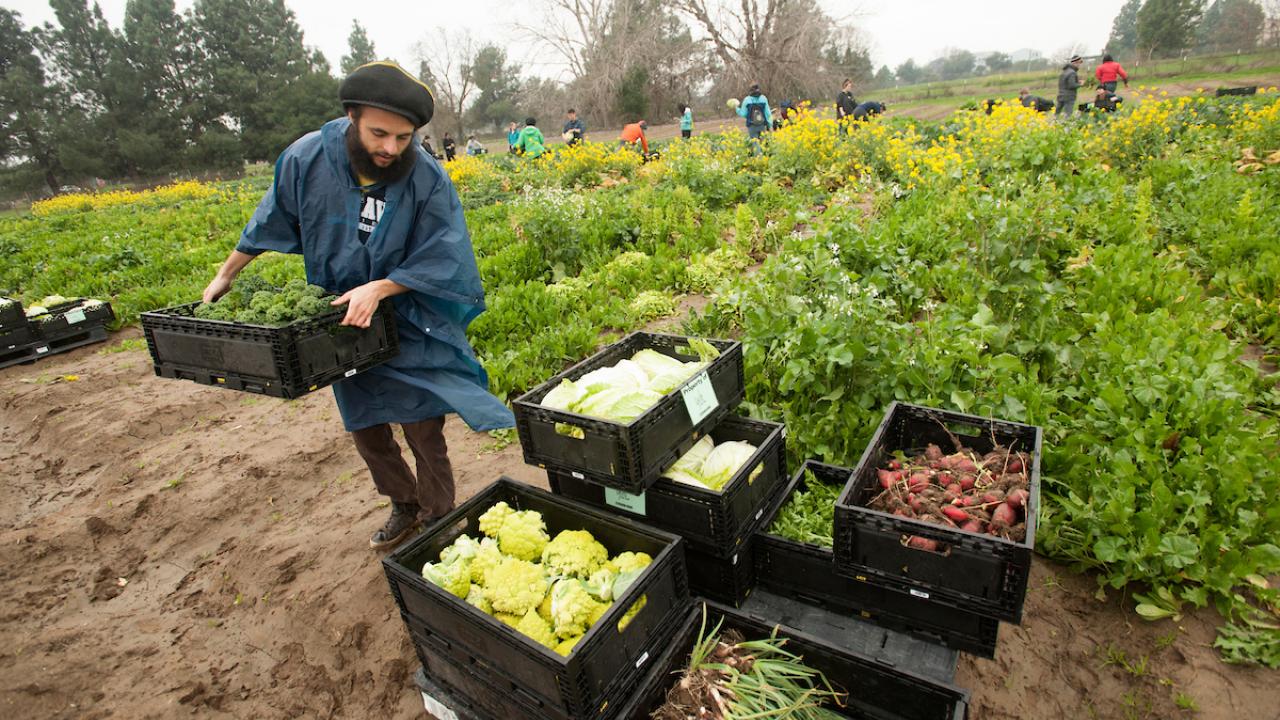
[[431, 490]]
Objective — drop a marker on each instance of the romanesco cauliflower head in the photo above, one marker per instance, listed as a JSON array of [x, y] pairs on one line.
[[523, 535], [574, 553], [600, 584], [631, 561], [572, 608], [491, 520], [454, 577], [463, 548], [566, 646], [514, 586], [486, 556], [475, 597], [533, 626]]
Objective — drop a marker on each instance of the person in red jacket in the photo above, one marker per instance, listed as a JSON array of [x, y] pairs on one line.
[[1108, 72], [633, 135]]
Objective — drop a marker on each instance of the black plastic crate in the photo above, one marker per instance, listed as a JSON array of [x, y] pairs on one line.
[[806, 572], [627, 457], [11, 314], [1247, 90], [577, 685], [71, 318], [716, 521], [982, 574], [876, 688], [728, 580], [21, 354], [16, 337], [66, 342], [444, 703], [287, 361]]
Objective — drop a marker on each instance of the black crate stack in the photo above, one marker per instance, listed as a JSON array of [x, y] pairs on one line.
[[61, 327]]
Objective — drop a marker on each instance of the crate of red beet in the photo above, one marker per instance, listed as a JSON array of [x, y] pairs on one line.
[[713, 520], [805, 571], [285, 361], [870, 687], [943, 505], [71, 318], [584, 684], [630, 456]]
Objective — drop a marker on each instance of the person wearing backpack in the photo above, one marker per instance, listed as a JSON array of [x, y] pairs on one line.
[[754, 108]]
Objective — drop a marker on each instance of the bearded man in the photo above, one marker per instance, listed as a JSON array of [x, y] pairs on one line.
[[376, 219]]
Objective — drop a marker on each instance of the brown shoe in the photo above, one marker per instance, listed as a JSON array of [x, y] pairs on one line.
[[402, 524]]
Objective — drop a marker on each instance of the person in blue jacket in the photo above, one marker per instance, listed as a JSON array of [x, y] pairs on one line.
[[377, 220], [754, 108]]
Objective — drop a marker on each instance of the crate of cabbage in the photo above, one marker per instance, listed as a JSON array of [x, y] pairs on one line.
[[542, 599], [11, 315], [280, 341], [955, 525], [711, 494], [793, 558], [727, 664], [620, 417], [56, 318]]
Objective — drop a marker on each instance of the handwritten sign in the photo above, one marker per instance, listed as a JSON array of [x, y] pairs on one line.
[[699, 397], [624, 500]]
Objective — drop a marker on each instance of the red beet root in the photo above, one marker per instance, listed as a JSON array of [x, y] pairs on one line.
[[888, 478], [955, 513]]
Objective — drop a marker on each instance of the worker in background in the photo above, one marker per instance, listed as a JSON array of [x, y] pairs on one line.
[[754, 108], [633, 136], [1068, 85], [845, 101], [1109, 72], [1035, 102], [574, 131], [530, 142], [686, 122]]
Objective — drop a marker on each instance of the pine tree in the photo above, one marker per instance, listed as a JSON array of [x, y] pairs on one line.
[[1124, 29], [359, 47]]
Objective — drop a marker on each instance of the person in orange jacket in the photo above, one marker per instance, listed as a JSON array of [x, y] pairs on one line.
[[634, 133], [1108, 72]]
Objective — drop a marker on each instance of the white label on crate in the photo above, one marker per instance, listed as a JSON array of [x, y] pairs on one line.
[[624, 500], [642, 659], [349, 373], [437, 708], [75, 316], [735, 558], [699, 397], [42, 349], [759, 513], [919, 594], [577, 475]]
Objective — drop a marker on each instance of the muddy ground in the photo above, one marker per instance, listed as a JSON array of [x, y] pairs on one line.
[[172, 550]]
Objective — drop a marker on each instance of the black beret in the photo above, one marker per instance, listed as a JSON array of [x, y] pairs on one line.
[[388, 86]]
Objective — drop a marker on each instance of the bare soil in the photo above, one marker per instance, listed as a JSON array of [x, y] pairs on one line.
[[172, 550]]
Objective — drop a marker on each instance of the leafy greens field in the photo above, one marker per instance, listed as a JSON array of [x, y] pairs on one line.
[[1104, 278]]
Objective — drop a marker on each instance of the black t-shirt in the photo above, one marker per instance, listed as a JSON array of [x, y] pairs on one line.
[[372, 203]]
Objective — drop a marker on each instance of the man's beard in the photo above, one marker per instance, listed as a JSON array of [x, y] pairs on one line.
[[362, 162]]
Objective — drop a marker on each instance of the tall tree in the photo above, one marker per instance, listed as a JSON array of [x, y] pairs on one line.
[[359, 49], [908, 73], [955, 63], [445, 60], [997, 62], [1167, 27], [1124, 29], [884, 77], [257, 59], [26, 103], [498, 82], [1230, 25]]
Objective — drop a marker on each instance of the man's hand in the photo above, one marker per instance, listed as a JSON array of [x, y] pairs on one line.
[[217, 288], [362, 302]]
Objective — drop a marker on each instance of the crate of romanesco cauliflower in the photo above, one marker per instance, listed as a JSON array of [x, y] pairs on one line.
[[620, 417], [543, 598], [281, 341], [56, 317]]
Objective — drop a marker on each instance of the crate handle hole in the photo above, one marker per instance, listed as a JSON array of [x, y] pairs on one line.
[[927, 545], [570, 431], [637, 607], [963, 430]]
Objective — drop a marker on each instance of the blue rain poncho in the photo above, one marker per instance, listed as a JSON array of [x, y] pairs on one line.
[[420, 242]]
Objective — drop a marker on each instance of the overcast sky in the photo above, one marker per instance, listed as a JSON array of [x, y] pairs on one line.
[[894, 29]]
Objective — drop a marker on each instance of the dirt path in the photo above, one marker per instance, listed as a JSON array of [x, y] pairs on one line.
[[171, 550]]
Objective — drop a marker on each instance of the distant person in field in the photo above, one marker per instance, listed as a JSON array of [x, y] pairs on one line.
[[530, 143], [474, 147], [867, 110], [754, 108], [845, 101], [449, 146], [1110, 71], [633, 136], [1068, 85], [1106, 101], [426, 145], [1035, 102], [686, 122], [574, 131], [513, 135], [378, 223]]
